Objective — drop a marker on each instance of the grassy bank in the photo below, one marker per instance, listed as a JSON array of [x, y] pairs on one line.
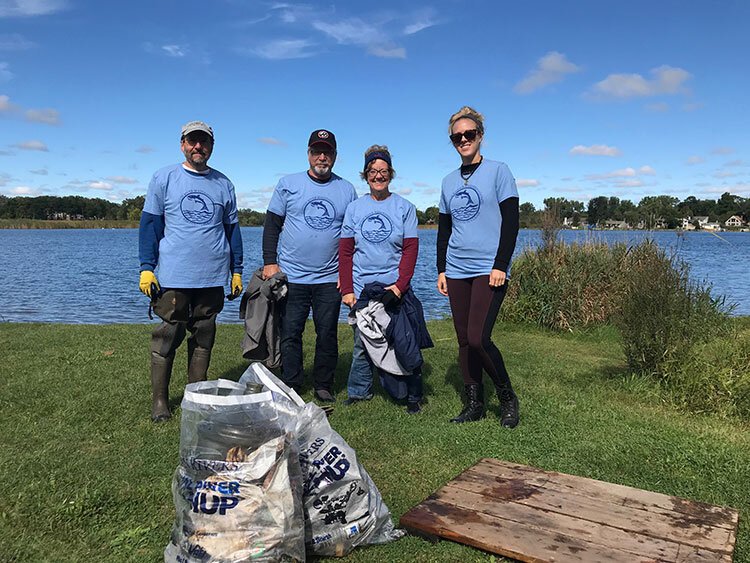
[[63, 224], [87, 476]]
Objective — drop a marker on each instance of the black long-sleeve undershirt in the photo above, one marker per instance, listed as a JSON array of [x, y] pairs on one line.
[[271, 232], [508, 235]]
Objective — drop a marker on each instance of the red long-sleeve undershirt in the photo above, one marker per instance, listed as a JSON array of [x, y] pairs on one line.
[[406, 265]]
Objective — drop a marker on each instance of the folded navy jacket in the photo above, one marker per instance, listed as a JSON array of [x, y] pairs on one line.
[[407, 332]]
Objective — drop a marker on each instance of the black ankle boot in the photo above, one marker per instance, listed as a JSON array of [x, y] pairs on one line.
[[474, 409], [508, 407]]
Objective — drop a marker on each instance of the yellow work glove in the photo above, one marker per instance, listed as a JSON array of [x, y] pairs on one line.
[[236, 284], [147, 279]]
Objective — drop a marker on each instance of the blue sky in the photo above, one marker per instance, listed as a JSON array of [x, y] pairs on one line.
[[581, 98]]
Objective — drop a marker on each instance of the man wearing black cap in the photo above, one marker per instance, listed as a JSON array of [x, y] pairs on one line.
[[189, 229], [310, 207]]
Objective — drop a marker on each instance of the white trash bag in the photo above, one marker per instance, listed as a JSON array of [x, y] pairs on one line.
[[238, 488], [343, 507]]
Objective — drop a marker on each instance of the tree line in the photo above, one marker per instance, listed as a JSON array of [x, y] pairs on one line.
[[649, 212]]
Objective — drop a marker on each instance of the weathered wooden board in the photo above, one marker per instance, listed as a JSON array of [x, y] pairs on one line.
[[534, 515]]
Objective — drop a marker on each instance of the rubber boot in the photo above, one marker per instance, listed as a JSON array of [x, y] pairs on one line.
[[198, 360], [161, 373], [508, 407], [474, 408]]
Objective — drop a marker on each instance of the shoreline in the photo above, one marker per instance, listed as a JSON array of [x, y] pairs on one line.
[[44, 224]]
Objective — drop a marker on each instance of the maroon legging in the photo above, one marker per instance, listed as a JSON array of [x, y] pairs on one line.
[[475, 306]]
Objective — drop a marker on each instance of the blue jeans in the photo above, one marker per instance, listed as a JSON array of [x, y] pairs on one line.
[[325, 301], [362, 371]]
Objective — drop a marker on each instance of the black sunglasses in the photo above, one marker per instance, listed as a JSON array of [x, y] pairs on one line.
[[470, 135]]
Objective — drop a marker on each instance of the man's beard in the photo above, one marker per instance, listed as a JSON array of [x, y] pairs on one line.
[[322, 169]]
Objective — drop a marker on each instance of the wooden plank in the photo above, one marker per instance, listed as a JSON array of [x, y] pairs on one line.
[[535, 515], [666, 526], [593, 532], [609, 492], [518, 540]]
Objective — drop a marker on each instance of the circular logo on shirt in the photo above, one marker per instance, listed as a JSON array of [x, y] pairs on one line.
[[197, 207], [319, 213], [376, 227], [465, 203]]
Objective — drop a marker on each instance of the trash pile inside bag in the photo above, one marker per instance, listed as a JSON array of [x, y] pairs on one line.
[[264, 477]]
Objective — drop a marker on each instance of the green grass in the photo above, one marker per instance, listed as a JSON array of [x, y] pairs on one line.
[[86, 476]]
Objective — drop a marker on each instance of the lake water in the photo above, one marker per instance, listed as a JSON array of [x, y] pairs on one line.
[[91, 276]]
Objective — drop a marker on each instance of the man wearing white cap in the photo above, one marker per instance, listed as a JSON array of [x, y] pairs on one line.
[[190, 236]]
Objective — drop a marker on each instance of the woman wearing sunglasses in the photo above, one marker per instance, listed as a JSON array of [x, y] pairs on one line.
[[477, 230], [378, 244]]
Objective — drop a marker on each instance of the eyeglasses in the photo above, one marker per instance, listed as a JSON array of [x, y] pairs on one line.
[[470, 135], [317, 152], [193, 139], [372, 173]]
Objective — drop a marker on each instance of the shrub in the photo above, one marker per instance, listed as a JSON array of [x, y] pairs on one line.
[[662, 313], [715, 376], [564, 287]]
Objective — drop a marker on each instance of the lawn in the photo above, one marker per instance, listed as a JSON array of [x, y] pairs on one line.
[[87, 475]]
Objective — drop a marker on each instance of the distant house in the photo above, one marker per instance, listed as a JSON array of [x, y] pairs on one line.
[[734, 221], [612, 224], [688, 223], [712, 226]]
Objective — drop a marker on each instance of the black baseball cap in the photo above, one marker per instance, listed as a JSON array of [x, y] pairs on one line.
[[322, 136]]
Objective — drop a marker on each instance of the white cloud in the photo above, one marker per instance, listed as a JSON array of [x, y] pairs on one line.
[[525, 183], [695, 159], [47, 115], [737, 162], [629, 183], [550, 69], [354, 31], [420, 184], [271, 141], [388, 51], [723, 174], [628, 172], [282, 49], [21, 8], [5, 73], [24, 191], [145, 149], [692, 106], [14, 42], [98, 185], [175, 50], [658, 107], [404, 191], [664, 80], [121, 180], [596, 150], [647, 171], [421, 22], [32, 146], [40, 172], [5, 104], [722, 150]]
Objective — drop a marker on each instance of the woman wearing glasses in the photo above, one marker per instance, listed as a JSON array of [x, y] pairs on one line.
[[477, 230], [378, 244]]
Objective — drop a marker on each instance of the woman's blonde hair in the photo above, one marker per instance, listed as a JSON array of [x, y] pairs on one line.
[[384, 152], [467, 112]]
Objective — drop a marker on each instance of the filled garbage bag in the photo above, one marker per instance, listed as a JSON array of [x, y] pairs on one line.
[[342, 506], [238, 487]]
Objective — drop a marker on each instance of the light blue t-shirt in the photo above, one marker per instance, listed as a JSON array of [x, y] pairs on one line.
[[308, 249], [378, 229], [474, 207], [194, 252]]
